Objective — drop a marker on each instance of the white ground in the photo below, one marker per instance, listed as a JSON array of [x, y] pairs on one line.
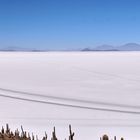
[[111, 78]]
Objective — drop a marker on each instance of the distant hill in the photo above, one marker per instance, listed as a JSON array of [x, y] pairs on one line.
[[86, 49], [105, 47], [19, 49], [129, 47], [13, 48], [125, 47]]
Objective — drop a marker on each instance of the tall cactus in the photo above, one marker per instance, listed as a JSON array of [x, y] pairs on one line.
[[71, 133], [54, 135], [2, 130], [7, 129], [33, 138]]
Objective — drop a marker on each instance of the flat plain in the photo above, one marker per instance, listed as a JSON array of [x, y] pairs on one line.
[[96, 92]]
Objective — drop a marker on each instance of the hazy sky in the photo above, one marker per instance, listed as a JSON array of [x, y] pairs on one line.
[[68, 24]]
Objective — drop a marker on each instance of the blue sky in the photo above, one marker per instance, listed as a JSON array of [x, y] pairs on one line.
[[68, 24]]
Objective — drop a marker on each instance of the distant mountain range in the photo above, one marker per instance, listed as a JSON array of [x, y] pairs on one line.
[[19, 49], [125, 47]]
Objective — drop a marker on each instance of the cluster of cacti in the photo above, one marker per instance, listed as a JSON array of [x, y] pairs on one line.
[[105, 137], [9, 135]]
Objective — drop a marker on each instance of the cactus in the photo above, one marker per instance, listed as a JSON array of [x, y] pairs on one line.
[[45, 137], [2, 130], [54, 135], [29, 138], [71, 134], [33, 138], [22, 131], [105, 137], [7, 129], [36, 137]]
